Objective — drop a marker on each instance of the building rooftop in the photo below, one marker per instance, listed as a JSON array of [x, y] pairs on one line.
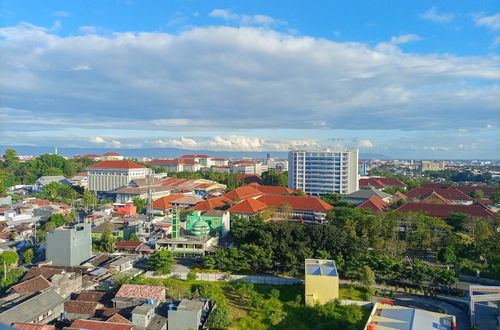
[[29, 309], [190, 305], [99, 325], [34, 284], [120, 164], [404, 318], [321, 267], [80, 307], [141, 291]]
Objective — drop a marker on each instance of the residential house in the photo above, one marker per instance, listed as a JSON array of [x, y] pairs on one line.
[[381, 183], [80, 309], [163, 205], [144, 317], [80, 179], [133, 294], [100, 325], [33, 285], [186, 201], [375, 204], [45, 180], [120, 230], [189, 314], [365, 194], [217, 203], [188, 245], [41, 308], [450, 193], [122, 263]]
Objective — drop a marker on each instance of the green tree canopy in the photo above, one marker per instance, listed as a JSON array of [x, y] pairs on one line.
[[161, 261]]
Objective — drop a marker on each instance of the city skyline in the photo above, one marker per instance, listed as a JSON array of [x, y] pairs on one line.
[[416, 81]]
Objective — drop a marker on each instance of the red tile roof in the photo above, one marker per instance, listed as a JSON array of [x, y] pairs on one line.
[[443, 210], [487, 191], [127, 245], [176, 161], [243, 192], [112, 153], [380, 183], [117, 318], [163, 203], [195, 156], [303, 203], [433, 196], [90, 156], [219, 159], [31, 326], [272, 190], [80, 307], [33, 285], [39, 202], [47, 273], [212, 203], [116, 164], [248, 206], [141, 291], [451, 193], [374, 203], [99, 325], [91, 296]]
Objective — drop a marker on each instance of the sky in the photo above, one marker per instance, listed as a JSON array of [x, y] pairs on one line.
[[406, 79]]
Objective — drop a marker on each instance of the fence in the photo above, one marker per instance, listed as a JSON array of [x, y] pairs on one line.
[[221, 277]]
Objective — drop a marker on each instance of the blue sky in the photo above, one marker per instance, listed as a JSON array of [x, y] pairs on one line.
[[401, 78]]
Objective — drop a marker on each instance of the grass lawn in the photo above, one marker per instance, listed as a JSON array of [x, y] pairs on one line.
[[256, 307]]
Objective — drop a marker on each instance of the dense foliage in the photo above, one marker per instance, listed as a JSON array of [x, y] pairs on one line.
[[13, 172], [274, 178], [460, 176], [161, 261], [356, 238]]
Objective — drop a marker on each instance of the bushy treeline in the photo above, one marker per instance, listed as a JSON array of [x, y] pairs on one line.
[[357, 237], [13, 172]]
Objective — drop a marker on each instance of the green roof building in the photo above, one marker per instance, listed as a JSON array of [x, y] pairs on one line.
[[217, 220]]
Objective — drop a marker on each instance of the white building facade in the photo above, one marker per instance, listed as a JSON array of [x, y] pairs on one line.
[[320, 172], [109, 175]]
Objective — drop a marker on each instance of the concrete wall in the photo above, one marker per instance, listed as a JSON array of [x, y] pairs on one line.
[[69, 246], [221, 277]]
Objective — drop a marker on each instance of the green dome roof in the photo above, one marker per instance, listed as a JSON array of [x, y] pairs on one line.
[[200, 228]]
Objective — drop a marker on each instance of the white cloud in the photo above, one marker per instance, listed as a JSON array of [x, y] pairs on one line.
[[97, 139], [436, 148], [81, 67], [243, 19], [241, 79], [111, 143], [432, 15], [88, 29], [365, 144], [491, 22], [405, 38], [61, 13]]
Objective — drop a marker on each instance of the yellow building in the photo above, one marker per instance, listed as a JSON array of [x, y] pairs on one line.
[[321, 281]]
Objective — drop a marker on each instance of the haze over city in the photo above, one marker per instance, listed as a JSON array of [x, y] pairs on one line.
[[401, 79]]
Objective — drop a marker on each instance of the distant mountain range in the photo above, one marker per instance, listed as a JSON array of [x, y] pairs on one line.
[[158, 152]]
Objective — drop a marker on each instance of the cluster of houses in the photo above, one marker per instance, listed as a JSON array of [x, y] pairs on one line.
[[433, 199], [66, 297]]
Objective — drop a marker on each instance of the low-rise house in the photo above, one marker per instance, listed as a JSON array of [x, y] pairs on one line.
[[144, 317], [134, 294], [80, 309], [381, 183], [365, 194], [67, 282], [375, 204], [94, 296], [122, 263], [31, 326], [189, 314], [42, 309], [186, 201], [5, 200], [163, 205], [216, 203], [451, 193], [43, 181], [80, 179], [36, 284], [100, 325], [119, 230], [188, 245], [125, 209]]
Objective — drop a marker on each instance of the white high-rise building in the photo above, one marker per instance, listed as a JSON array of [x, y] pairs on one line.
[[319, 172]]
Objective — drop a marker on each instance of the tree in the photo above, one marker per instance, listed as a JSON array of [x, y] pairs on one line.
[[89, 199], [107, 241], [28, 256], [192, 276], [478, 193], [133, 237], [9, 258], [273, 178], [139, 203], [447, 255], [219, 319], [161, 261], [367, 277], [495, 197]]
